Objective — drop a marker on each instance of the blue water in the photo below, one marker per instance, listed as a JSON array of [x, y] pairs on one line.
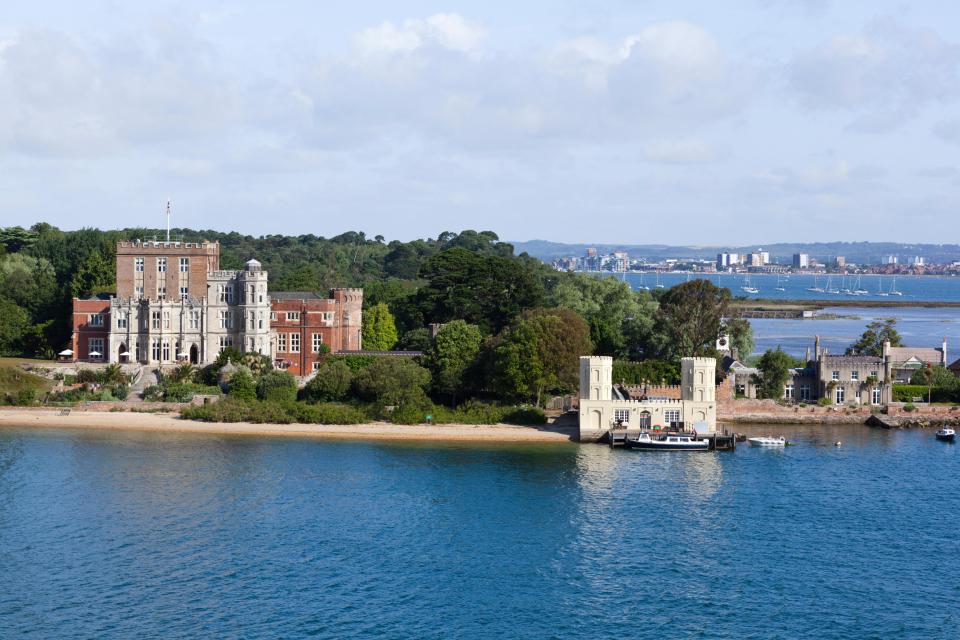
[[172, 536], [918, 326], [914, 288]]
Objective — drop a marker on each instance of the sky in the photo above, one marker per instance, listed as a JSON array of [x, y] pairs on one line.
[[635, 121]]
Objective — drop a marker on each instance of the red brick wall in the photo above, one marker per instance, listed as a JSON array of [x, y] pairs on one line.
[[310, 322], [83, 331], [204, 257]]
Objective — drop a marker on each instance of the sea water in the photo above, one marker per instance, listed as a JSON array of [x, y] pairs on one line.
[[126, 535]]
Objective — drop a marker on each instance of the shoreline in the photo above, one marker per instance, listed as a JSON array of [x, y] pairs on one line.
[[25, 418]]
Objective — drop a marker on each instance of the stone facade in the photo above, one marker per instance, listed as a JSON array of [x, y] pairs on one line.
[[175, 304], [602, 407]]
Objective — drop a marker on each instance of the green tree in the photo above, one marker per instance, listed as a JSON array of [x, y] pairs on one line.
[[488, 291], [451, 354], [690, 316], [774, 367], [277, 386], [93, 275], [331, 382], [14, 322], [395, 381], [871, 341], [379, 329], [242, 386], [562, 337], [741, 336], [518, 372]]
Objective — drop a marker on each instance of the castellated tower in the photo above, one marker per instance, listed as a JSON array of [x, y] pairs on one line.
[[596, 375], [350, 303], [254, 309], [698, 379]]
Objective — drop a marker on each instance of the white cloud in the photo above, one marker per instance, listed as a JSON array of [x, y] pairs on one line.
[[884, 74], [447, 30]]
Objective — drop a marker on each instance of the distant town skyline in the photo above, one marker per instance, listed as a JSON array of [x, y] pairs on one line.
[[684, 123]]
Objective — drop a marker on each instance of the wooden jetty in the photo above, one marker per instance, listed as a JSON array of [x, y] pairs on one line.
[[718, 441]]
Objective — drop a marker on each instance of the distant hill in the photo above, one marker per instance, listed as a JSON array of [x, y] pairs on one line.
[[855, 252]]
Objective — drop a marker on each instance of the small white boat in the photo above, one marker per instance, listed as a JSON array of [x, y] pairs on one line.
[[767, 441], [946, 434]]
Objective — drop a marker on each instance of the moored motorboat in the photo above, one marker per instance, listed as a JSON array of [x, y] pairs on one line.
[[767, 441], [946, 434], [668, 442]]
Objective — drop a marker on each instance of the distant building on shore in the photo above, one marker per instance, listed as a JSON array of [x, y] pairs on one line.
[[174, 304], [603, 406], [801, 261]]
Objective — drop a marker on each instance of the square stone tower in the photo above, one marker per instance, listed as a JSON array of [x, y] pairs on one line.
[[596, 377], [698, 377]]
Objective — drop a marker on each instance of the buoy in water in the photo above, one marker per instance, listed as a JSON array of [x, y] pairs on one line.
[[837, 443]]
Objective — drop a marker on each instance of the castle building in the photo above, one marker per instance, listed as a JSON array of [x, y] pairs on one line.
[[174, 304], [603, 407]]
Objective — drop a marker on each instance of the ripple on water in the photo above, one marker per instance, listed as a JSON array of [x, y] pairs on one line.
[[150, 535]]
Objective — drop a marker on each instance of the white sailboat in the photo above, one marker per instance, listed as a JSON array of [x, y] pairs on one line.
[[658, 285], [880, 291], [779, 286], [830, 287], [859, 290], [816, 288], [747, 287], [642, 286], [893, 288]]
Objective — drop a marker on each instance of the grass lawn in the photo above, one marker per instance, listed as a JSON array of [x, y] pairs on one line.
[[13, 380]]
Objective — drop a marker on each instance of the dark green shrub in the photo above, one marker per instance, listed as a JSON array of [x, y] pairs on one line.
[[909, 408], [277, 386], [241, 385], [825, 401], [26, 397], [331, 382], [86, 376], [121, 392], [153, 393], [525, 415]]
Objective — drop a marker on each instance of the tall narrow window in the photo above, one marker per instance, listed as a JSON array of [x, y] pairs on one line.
[[294, 343], [281, 343], [161, 293], [138, 265], [155, 321], [161, 265], [184, 292], [166, 319], [841, 395], [317, 341], [166, 350], [184, 265], [121, 320], [155, 349], [95, 319]]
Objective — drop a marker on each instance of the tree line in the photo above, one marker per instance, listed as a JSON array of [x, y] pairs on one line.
[[512, 327]]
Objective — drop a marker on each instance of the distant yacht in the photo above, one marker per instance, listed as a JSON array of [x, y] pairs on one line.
[[779, 286], [830, 287], [747, 287], [642, 286], [658, 285], [816, 288], [880, 291], [893, 288], [860, 291]]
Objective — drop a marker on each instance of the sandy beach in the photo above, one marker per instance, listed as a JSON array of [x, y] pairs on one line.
[[172, 423]]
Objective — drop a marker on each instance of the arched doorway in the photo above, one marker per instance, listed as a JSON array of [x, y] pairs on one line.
[[595, 419], [122, 354], [644, 419], [194, 354]]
